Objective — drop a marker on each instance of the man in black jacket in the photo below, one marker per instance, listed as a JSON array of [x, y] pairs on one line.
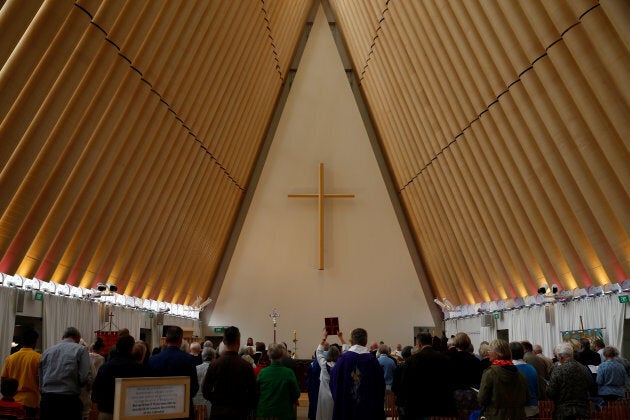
[[427, 383], [230, 383], [121, 365]]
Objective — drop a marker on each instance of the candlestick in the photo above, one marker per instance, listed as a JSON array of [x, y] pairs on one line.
[[274, 315]]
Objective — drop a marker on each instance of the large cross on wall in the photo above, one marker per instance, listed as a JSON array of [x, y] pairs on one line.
[[321, 195]]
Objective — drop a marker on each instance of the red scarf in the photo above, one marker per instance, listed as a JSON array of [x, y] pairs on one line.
[[499, 362]]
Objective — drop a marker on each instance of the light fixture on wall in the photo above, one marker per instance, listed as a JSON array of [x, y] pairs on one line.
[[443, 305], [102, 293], [63, 290], [198, 305], [595, 291], [448, 303], [611, 288], [14, 281], [108, 287]]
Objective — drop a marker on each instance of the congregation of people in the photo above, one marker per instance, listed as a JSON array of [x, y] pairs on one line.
[[436, 377]]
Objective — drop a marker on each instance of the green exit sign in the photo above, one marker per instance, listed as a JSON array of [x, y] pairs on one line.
[[623, 298], [218, 329], [39, 296], [497, 315]]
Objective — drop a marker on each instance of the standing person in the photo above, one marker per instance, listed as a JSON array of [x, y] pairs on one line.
[[278, 388], [259, 349], [263, 362], [326, 360], [172, 361], [22, 366], [387, 363], [250, 344], [426, 386], [356, 382], [539, 364], [195, 351], [208, 354], [96, 359], [467, 374], [121, 365], [569, 385], [484, 358], [531, 409], [399, 374], [140, 353], [312, 385], [503, 392], [611, 376], [538, 351], [9, 408], [585, 355], [599, 347], [230, 384], [63, 369], [287, 360]]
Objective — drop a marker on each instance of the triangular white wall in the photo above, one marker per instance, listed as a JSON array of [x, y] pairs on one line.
[[369, 280]]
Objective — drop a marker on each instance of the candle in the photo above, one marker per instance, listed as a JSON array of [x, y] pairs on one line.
[[294, 335]]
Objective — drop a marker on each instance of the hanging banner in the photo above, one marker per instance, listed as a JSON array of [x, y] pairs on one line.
[[109, 338], [574, 336]]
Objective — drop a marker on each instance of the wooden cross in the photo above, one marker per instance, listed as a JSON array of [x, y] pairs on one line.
[[320, 202]]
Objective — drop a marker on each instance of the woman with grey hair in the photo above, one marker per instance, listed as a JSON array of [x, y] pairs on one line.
[[246, 353], [208, 354], [568, 385], [503, 392], [278, 388], [611, 376]]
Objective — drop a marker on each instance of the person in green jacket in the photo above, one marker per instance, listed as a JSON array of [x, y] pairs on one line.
[[503, 392], [277, 388]]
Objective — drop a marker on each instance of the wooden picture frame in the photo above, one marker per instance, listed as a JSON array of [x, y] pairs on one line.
[[152, 398]]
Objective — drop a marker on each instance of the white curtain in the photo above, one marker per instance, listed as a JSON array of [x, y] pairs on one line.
[[598, 312], [531, 323], [472, 327], [128, 318], [7, 321], [62, 312]]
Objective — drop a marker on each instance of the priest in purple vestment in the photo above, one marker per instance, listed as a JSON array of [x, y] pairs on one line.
[[356, 382]]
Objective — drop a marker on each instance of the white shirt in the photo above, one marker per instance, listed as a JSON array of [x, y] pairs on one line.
[[359, 349]]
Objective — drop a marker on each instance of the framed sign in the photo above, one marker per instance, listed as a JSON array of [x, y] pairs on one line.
[[152, 398]]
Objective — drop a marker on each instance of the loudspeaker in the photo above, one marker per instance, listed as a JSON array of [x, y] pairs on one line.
[[19, 301], [548, 315], [487, 320], [159, 319]]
